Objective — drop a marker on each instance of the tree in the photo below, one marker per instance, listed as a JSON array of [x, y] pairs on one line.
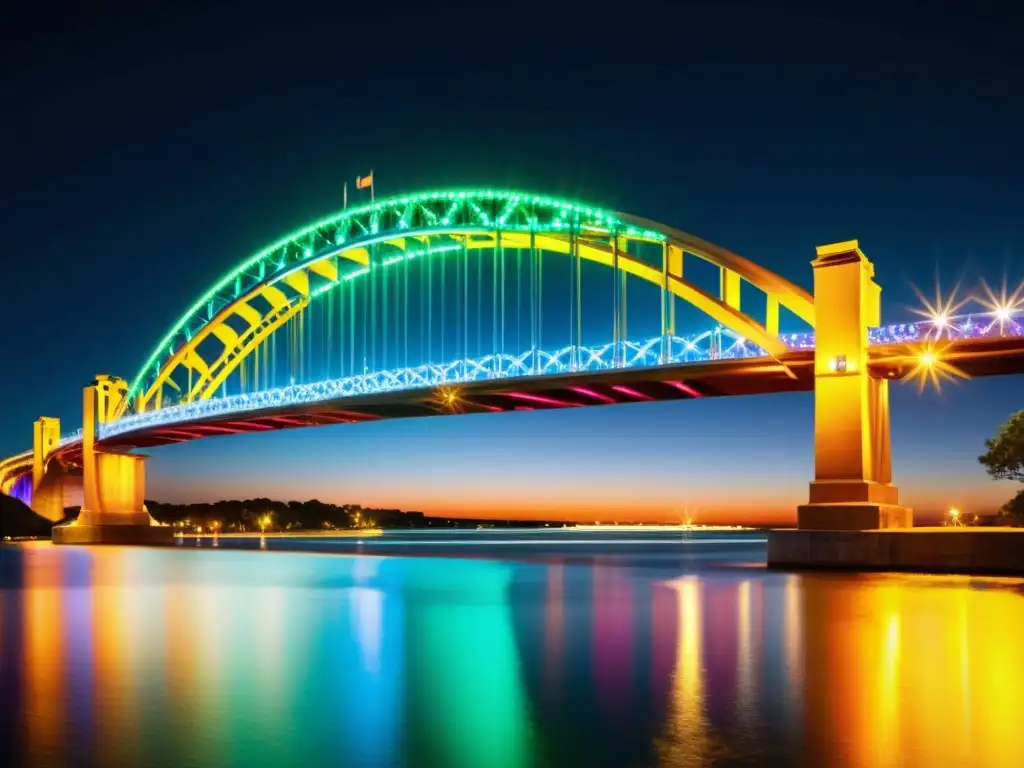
[[1004, 459], [1014, 508]]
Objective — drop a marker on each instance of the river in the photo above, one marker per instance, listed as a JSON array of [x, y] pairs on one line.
[[494, 648]]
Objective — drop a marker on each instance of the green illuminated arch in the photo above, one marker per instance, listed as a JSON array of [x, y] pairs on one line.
[[428, 222]]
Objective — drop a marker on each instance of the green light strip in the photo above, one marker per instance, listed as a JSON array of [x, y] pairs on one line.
[[471, 195]]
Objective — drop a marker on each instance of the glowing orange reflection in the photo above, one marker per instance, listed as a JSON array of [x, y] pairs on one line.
[[912, 671], [117, 737], [688, 740], [44, 672]]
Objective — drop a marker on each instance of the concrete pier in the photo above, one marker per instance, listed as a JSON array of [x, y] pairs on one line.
[[923, 550], [75, 533]]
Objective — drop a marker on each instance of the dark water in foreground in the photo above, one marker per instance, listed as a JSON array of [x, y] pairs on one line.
[[566, 651]]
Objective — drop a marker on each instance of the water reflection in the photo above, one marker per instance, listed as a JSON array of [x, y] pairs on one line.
[[217, 657]]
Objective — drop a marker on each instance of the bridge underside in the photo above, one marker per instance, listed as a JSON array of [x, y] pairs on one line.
[[678, 382]]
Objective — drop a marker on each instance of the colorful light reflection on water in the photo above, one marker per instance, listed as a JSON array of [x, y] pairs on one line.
[[199, 657]]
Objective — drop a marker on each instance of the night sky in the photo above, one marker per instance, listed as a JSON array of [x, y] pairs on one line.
[[147, 151]]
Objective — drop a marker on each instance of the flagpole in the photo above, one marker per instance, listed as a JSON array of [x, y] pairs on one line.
[[345, 198], [371, 185]]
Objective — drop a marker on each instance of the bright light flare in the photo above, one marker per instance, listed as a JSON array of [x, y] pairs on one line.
[[931, 369], [448, 399], [1005, 306], [940, 309]]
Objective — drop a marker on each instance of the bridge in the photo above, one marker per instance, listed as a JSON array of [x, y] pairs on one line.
[[479, 301]]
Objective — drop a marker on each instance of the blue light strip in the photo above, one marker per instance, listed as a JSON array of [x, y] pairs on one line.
[[720, 344]]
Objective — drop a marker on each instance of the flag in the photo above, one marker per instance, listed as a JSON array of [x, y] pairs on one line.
[[364, 182]]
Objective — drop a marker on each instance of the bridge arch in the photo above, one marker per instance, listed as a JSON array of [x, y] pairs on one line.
[[248, 304]]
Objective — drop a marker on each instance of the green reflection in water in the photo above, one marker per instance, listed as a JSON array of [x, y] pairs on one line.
[[463, 675]]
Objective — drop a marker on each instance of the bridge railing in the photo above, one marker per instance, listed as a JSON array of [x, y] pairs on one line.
[[979, 326], [719, 344]]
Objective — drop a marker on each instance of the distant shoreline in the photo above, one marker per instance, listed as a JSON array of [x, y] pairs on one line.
[[363, 533]]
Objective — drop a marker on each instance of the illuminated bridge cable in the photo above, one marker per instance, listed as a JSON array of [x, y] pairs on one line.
[[519, 296], [444, 279], [615, 298], [664, 303], [465, 297], [352, 329], [479, 304], [572, 300], [501, 264], [579, 287], [374, 280], [341, 324], [494, 304], [540, 300], [381, 318], [533, 300], [405, 307], [365, 303], [623, 313], [430, 310]]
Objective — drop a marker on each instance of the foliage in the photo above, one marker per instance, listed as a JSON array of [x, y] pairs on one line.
[[1014, 508], [291, 515], [18, 520], [1004, 459]]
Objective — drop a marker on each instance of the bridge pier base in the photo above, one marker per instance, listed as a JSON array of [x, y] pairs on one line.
[[852, 487], [852, 495], [113, 483]]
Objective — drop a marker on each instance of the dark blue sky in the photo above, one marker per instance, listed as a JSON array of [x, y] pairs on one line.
[[148, 151]]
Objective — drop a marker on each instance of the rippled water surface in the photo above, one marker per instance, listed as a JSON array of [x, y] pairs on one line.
[[548, 648]]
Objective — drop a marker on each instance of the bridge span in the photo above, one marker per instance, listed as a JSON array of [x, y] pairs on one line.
[[345, 320]]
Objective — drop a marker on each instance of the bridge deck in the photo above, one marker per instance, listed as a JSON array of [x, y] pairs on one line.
[[675, 382], [748, 376]]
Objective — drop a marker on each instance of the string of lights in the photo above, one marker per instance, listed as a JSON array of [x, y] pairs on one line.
[[720, 344]]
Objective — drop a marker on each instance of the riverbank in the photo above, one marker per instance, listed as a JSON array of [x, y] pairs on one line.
[[360, 533]]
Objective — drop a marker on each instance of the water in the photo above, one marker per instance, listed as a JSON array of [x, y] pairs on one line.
[[526, 649]]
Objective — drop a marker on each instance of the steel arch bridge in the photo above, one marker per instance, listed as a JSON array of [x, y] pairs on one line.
[[230, 362], [246, 306]]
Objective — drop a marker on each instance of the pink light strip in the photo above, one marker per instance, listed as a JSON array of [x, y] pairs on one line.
[[539, 399], [216, 428], [685, 388], [288, 420], [629, 392], [253, 425], [359, 415], [591, 393]]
